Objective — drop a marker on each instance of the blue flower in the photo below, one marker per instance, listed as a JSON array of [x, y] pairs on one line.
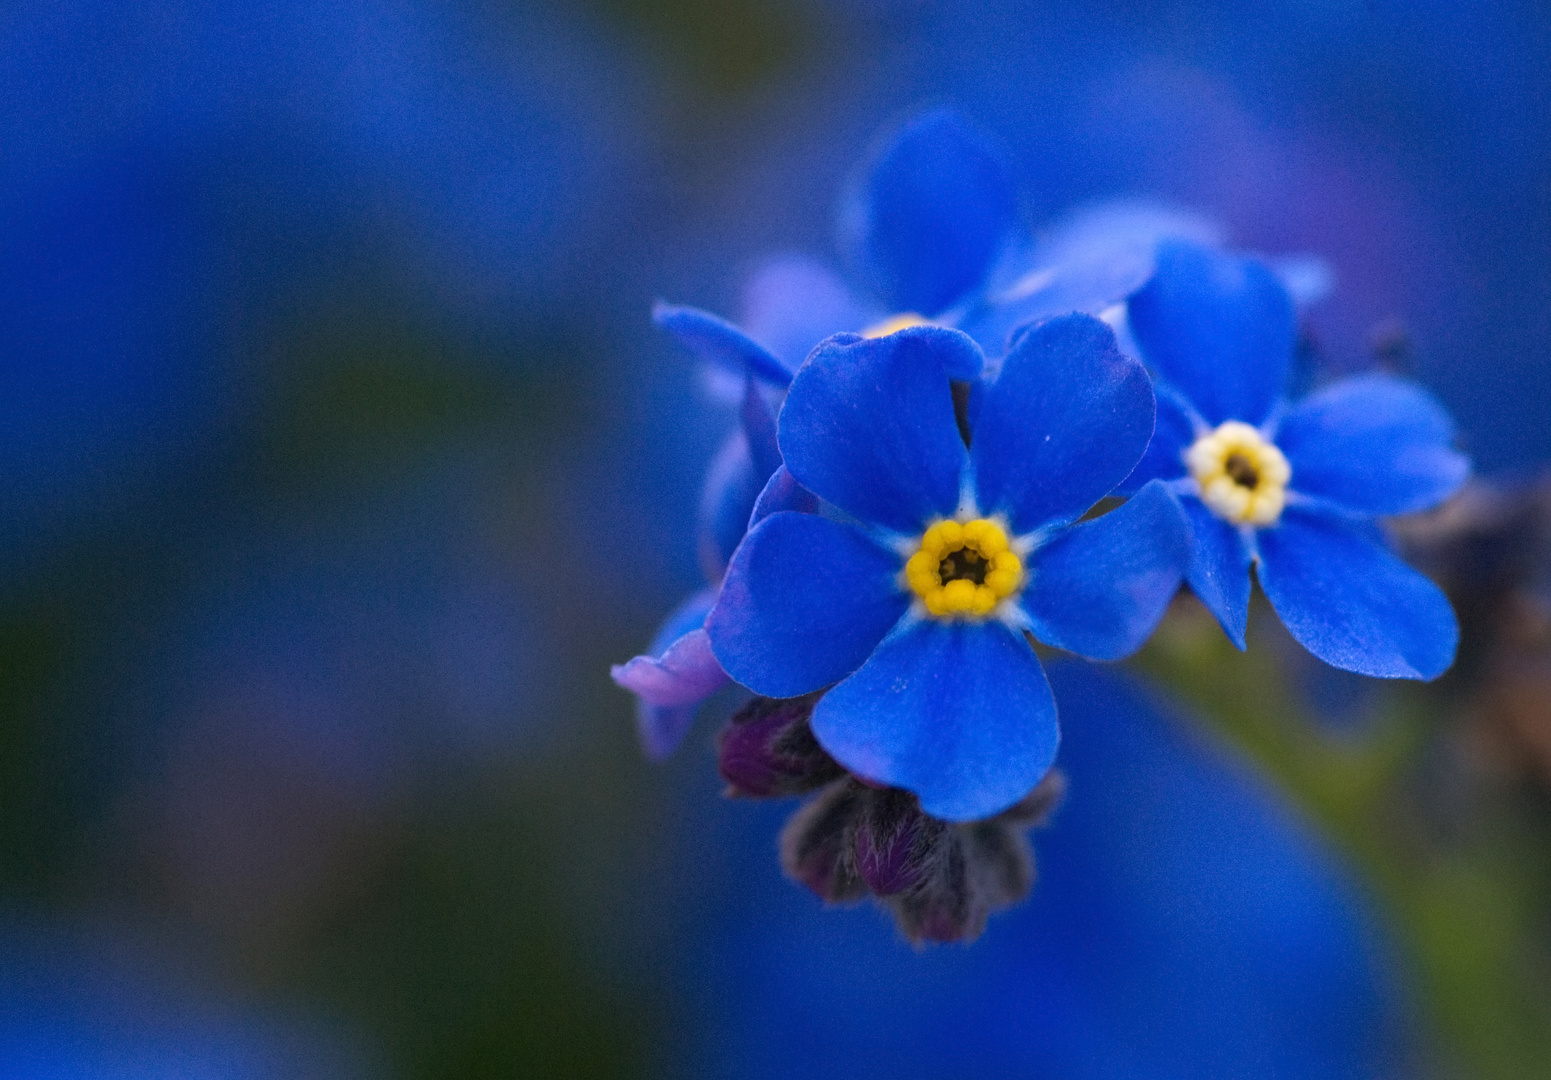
[[918, 610], [1292, 490], [925, 227], [933, 232]]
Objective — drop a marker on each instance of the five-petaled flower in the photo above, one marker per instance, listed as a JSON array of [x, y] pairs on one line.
[[915, 595], [1292, 490]]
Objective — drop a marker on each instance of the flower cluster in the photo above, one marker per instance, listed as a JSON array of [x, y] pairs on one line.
[[940, 493]]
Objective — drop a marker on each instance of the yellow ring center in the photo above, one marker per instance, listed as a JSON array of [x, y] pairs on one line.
[[1243, 476], [895, 323], [964, 569]]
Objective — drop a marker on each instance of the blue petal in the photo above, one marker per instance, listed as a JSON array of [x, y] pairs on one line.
[[1352, 603], [661, 728], [1219, 568], [1099, 588], [1172, 435], [805, 601], [868, 425], [782, 492], [1374, 444], [689, 615], [1094, 259], [718, 342], [959, 713], [759, 429], [1065, 421], [1220, 328], [932, 215], [792, 303], [726, 502]]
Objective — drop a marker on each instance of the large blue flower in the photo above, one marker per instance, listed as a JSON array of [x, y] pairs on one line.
[[917, 607], [1292, 490]]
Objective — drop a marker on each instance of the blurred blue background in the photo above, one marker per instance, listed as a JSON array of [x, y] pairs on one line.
[[339, 458]]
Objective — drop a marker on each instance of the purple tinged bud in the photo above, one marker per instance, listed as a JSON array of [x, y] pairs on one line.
[[967, 871], [768, 750], [818, 844], [893, 839], [946, 906], [940, 880], [1002, 863]]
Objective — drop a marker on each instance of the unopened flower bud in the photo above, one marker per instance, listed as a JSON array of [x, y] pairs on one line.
[[767, 749], [893, 841], [818, 844]]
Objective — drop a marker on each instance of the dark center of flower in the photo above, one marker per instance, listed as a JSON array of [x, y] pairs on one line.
[[963, 565], [1242, 471]]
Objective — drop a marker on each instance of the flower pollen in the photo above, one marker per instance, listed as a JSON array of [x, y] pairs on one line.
[[1243, 476], [895, 323], [964, 569]]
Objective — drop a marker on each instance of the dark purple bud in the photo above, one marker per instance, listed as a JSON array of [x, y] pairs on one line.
[[768, 749], [893, 840], [965, 872], [945, 905], [819, 841], [940, 880]]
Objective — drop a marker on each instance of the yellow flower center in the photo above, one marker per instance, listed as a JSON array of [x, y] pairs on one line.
[[895, 323], [1243, 476], [964, 569]]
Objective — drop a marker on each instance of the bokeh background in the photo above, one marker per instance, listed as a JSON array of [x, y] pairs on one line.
[[339, 458]]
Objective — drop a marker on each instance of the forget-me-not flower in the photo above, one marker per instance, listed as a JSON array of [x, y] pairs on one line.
[[916, 608], [1292, 489], [925, 227]]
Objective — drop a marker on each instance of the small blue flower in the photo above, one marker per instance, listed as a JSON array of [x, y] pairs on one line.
[[925, 228], [918, 611], [1292, 490]]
